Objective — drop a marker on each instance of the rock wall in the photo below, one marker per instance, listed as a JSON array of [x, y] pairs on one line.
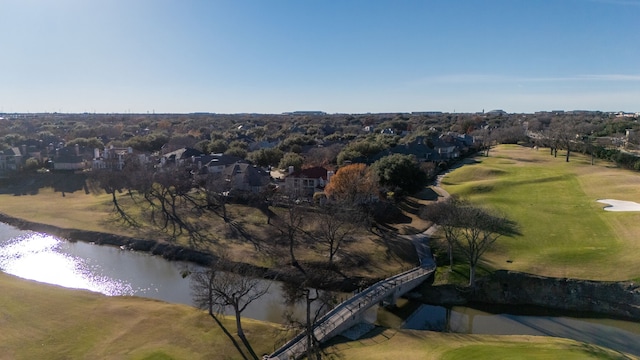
[[615, 299]]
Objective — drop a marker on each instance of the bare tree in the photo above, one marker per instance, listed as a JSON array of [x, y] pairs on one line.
[[485, 138], [290, 225], [469, 230], [481, 230], [564, 131], [216, 290], [447, 216], [173, 206], [335, 225], [323, 300]]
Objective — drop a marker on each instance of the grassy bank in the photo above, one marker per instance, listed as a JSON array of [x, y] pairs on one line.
[[48, 322], [565, 232], [366, 256], [426, 345]]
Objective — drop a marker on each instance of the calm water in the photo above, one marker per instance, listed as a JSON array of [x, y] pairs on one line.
[[614, 334], [111, 271]]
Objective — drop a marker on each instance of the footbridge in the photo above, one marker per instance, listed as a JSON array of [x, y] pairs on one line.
[[352, 311]]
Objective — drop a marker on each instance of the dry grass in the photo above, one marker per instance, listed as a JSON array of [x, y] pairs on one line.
[[366, 256], [46, 322]]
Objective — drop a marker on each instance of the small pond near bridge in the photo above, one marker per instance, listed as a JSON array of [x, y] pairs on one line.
[[112, 271], [620, 335]]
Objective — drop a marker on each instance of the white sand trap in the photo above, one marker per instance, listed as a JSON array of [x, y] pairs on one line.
[[619, 205]]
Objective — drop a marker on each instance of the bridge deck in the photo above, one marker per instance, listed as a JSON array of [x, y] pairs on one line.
[[348, 312]]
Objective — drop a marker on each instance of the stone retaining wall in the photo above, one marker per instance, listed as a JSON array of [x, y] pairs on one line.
[[613, 299]]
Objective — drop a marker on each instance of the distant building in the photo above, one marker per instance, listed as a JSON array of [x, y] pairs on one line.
[[497, 112], [305, 113], [426, 113]]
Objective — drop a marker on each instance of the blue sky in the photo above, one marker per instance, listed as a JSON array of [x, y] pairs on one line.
[[351, 56]]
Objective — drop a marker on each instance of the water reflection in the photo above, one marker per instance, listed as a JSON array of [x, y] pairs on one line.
[[614, 334], [47, 259], [112, 271]]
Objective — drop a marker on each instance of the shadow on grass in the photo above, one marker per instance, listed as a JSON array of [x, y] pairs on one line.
[[427, 194], [397, 248], [228, 334], [377, 335]]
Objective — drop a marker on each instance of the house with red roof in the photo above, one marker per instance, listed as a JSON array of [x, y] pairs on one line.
[[305, 182]]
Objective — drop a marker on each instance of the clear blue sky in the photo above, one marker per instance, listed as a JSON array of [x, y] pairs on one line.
[[273, 56]]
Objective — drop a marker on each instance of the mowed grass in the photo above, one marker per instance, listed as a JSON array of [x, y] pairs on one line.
[[76, 210], [565, 232], [39, 321], [48, 322], [427, 345]]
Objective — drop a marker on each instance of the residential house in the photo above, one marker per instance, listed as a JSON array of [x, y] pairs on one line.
[[10, 159], [246, 177], [442, 148], [306, 182], [180, 157], [68, 159], [111, 158], [215, 163]]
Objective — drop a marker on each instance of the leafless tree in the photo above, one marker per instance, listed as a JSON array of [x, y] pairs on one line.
[[469, 230], [443, 213], [290, 224], [564, 132], [481, 229], [216, 290], [323, 300], [334, 225]]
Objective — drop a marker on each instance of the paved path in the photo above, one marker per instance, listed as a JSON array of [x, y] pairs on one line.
[[350, 312]]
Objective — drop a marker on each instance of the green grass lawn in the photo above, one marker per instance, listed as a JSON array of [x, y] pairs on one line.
[[427, 345], [40, 321], [565, 232]]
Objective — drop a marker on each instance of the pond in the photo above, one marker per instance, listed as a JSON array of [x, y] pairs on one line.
[[112, 271], [615, 334]]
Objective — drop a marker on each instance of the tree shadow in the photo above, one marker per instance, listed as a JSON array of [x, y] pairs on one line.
[[397, 248], [427, 194], [229, 335], [410, 206]]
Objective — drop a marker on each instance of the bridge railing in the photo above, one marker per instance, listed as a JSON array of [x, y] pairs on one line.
[[374, 294]]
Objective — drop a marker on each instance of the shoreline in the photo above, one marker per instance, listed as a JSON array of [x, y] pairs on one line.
[[172, 252], [615, 299]]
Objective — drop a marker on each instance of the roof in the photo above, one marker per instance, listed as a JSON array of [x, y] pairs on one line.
[[184, 153], [252, 175], [315, 172]]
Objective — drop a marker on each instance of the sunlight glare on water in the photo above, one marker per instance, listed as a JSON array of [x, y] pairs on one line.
[[39, 257]]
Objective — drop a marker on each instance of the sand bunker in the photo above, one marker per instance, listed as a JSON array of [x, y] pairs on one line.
[[620, 205]]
